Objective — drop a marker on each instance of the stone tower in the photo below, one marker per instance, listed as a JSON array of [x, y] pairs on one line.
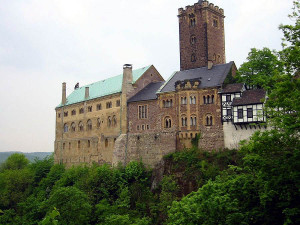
[[201, 35]]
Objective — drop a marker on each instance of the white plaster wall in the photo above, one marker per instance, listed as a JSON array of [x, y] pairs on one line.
[[232, 137]]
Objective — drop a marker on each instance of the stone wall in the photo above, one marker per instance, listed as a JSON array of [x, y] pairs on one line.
[[234, 134], [150, 147], [209, 39]]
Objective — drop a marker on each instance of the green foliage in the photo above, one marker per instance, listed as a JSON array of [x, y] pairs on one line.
[[15, 186], [261, 68], [263, 190], [15, 162], [50, 219], [73, 205], [291, 43]]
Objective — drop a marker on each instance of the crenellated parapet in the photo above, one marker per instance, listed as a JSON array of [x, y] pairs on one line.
[[198, 6], [187, 84]]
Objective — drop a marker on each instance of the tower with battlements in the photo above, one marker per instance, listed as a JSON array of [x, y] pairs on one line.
[[201, 35]]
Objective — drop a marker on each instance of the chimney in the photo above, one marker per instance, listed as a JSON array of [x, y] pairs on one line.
[[127, 73], [64, 93], [210, 64], [87, 92]]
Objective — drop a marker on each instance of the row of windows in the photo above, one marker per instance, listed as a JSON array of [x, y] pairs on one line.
[[193, 121], [216, 58], [209, 99], [241, 113], [90, 108], [111, 122], [215, 21], [143, 127], [206, 100], [88, 144]]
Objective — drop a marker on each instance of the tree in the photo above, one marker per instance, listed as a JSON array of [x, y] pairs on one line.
[[72, 204], [15, 161], [291, 43], [261, 68]]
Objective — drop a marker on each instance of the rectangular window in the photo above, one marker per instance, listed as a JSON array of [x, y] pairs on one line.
[[249, 113], [65, 114], [108, 105], [228, 98], [118, 103], [143, 111], [229, 112], [73, 112], [90, 108], [240, 114], [99, 107]]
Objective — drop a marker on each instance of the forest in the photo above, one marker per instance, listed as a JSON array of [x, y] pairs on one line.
[[256, 184]]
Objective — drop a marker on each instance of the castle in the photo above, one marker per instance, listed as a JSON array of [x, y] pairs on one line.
[[139, 116]]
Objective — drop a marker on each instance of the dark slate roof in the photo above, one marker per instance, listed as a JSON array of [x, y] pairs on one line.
[[147, 93], [232, 88], [209, 78], [250, 97]]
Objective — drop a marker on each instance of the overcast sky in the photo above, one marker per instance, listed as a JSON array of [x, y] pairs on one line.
[[46, 42]]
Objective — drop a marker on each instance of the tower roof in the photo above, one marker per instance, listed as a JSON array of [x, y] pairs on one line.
[[102, 88]]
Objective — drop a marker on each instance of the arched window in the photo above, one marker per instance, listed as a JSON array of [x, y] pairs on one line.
[[73, 127], [89, 143], [183, 121], [98, 123], [106, 143], [204, 100], [193, 39], [212, 99], [114, 121], [66, 128], [109, 121], [73, 112], [81, 110], [78, 144], [209, 120], [89, 125], [208, 99], [192, 100], [192, 20], [168, 122], [193, 121], [80, 125], [183, 100]]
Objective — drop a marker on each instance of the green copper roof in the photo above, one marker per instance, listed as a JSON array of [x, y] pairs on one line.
[[102, 88]]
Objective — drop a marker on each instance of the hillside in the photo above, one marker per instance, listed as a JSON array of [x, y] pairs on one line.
[[29, 155]]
